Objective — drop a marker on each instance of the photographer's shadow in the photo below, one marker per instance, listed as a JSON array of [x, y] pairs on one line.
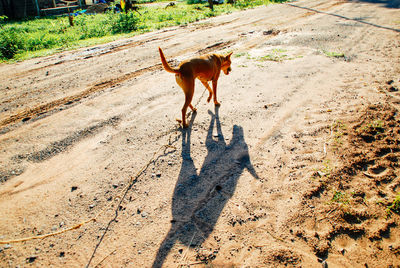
[[199, 199]]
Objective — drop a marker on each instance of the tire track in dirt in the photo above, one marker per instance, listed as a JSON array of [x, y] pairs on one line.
[[45, 108], [57, 147], [105, 51]]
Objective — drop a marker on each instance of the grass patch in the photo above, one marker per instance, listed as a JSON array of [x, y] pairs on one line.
[[334, 54], [29, 38], [338, 130], [276, 55], [340, 198], [394, 207], [241, 54], [376, 125]]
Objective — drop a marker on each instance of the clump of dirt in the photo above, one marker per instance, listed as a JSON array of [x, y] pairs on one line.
[[282, 257], [352, 204]]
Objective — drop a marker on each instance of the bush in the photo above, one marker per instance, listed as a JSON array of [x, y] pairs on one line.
[[190, 2], [10, 44], [125, 22]]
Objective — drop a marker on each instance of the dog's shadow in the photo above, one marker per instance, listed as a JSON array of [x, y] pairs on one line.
[[199, 198]]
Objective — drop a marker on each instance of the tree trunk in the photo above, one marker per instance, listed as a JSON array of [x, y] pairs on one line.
[[210, 2]]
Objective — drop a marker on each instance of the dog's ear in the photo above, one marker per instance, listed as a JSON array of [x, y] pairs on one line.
[[229, 55]]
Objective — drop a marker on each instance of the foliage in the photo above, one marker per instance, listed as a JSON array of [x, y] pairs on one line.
[[190, 2], [3, 19], [46, 33], [394, 207], [9, 44]]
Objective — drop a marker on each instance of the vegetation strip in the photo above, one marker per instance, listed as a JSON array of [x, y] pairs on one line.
[[29, 38]]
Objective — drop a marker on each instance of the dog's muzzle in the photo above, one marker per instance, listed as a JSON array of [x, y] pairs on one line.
[[228, 70]]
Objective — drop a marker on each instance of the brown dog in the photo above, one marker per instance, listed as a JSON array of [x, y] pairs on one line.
[[205, 68]]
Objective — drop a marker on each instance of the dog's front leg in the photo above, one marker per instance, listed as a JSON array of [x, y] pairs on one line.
[[205, 83], [214, 83]]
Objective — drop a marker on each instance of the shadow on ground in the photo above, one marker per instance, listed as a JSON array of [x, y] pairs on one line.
[[359, 20], [386, 3], [199, 198]]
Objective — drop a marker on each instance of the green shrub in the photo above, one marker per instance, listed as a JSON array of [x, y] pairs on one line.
[[190, 2], [395, 206], [125, 22], [10, 43]]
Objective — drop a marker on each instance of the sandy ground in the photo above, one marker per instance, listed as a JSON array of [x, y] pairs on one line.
[[296, 168]]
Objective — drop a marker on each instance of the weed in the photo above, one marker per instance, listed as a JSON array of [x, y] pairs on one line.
[[334, 54], [338, 130], [241, 54], [273, 57], [327, 169], [339, 197], [374, 125], [394, 207]]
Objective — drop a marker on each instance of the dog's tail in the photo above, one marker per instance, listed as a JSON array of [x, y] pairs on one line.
[[165, 63]]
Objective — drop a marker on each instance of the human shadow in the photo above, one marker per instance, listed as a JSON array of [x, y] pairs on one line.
[[347, 18], [199, 198], [386, 3]]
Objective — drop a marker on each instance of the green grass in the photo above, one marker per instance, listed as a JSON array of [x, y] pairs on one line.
[[29, 38], [338, 130], [340, 198], [394, 207], [332, 54]]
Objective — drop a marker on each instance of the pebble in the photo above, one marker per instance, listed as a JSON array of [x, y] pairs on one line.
[[7, 246], [74, 188], [144, 214], [158, 174], [31, 259], [91, 206], [61, 224]]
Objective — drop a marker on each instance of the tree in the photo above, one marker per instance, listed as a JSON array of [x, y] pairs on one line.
[[211, 4]]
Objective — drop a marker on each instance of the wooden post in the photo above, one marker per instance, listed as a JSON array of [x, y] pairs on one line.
[[54, 3], [37, 8]]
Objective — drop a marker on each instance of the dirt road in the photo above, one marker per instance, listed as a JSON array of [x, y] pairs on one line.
[[297, 166]]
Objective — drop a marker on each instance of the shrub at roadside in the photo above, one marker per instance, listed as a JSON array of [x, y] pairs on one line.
[[47, 33]]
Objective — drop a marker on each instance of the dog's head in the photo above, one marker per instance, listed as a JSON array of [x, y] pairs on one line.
[[226, 63]]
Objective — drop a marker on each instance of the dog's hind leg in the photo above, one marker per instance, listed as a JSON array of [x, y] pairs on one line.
[[187, 85]]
